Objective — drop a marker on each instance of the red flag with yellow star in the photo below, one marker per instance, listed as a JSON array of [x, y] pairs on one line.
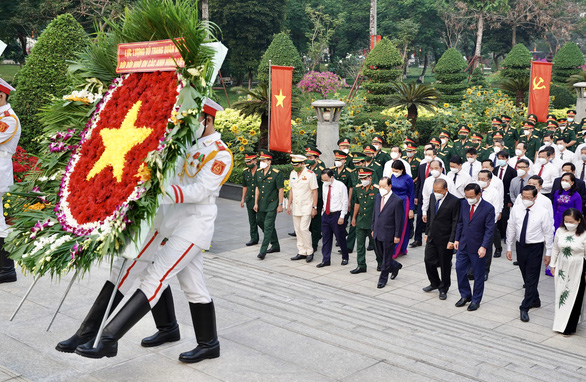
[[539, 89], [280, 127]]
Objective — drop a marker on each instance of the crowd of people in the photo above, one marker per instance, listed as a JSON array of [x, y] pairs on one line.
[[464, 197]]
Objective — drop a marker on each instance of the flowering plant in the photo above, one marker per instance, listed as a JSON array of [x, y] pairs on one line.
[[320, 82], [22, 163]]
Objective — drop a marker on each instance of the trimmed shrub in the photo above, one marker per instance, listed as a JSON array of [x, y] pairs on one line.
[[567, 62], [517, 64], [562, 97], [45, 74], [281, 52], [382, 66], [478, 78], [450, 75]]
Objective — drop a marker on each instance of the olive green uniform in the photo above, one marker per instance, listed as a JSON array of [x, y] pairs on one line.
[[533, 144], [346, 176], [414, 164], [249, 181], [378, 170], [365, 198], [268, 186], [568, 134], [315, 226], [510, 137], [445, 154], [382, 157], [460, 148]]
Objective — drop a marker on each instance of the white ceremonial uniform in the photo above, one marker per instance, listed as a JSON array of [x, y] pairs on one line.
[[302, 185], [388, 169], [186, 218], [9, 136]]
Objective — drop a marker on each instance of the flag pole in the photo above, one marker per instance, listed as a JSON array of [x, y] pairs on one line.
[[530, 78], [270, 96]]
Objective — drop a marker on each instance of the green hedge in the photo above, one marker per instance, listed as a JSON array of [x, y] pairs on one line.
[[281, 52], [567, 62], [563, 97], [517, 63], [377, 88], [450, 75], [381, 66]]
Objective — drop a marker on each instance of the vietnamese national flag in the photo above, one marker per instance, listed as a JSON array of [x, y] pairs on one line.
[[280, 127], [539, 90]]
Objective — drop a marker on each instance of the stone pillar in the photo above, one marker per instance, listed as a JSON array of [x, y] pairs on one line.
[[328, 129], [581, 101]]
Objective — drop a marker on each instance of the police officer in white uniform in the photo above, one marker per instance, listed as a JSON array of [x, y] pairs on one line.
[[9, 136], [186, 219]]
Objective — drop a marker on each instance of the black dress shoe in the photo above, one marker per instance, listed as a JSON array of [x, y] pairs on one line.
[[292, 234], [381, 284], [536, 304], [340, 251], [251, 242], [473, 306], [7, 276], [323, 264], [461, 302], [429, 288], [298, 257], [378, 268], [309, 258], [415, 244], [411, 234], [497, 254], [524, 316], [443, 295], [261, 255], [273, 250], [515, 262], [370, 248], [396, 271], [358, 270], [344, 262]]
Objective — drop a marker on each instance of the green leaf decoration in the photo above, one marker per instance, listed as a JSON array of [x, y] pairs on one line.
[[563, 297], [567, 252]]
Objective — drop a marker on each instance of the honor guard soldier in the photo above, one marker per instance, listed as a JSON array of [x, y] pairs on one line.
[[510, 134], [531, 142], [344, 145], [445, 150], [462, 144], [317, 166], [362, 208], [564, 132], [370, 152], [381, 156], [248, 190], [268, 202], [9, 136]]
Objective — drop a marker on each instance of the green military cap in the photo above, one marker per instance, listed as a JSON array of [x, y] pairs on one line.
[[552, 123], [532, 118], [551, 117], [571, 113], [249, 155], [505, 118], [369, 149], [344, 141], [562, 120], [434, 140], [363, 172], [496, 121], [339, 154], [583, 121], [378, 138], [312, 150], [358, 157], [476, 135], [444, 134], [265, 154]]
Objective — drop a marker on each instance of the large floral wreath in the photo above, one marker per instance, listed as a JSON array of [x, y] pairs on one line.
[[99, 179]]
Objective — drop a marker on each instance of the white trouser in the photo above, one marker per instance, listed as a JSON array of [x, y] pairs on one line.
[[177, 257], [3, 226], [301, 224]]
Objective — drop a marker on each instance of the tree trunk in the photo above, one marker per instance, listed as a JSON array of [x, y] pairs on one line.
[[412, 115], [249, 79], [22, 40], [263, 140], [479, 34], [205, 10], [373, 17], [514, 40], [405, 61], [422, 75], [520, 98]]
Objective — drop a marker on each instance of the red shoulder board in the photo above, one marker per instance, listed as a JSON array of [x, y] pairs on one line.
[[221, 146], [309, 171], [7, 113]]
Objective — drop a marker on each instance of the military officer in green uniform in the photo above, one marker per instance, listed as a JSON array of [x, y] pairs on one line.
[[572, 123], [248, 191], [381, 156], [370, 152], [510, 134], [345, 175], [445, 151], [317, 166], [495, 124], [462, 144], [268, 202], [411, 158], [344, 145], [580, 135], [531, 141], [568, 134], [363, 206]]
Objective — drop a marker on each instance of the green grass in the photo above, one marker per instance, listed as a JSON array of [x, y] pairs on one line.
[[7, 72]]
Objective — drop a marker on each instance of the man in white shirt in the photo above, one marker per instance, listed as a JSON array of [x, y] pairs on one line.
[[545, 169], [495, 197], [531, 229], [521, 180], [495, 182], [435, 172], [520, 151], [580, 163], [472, 167], [458, 178], [498, 146], [564, 155], [548, 141], [335, 197], [396, 155]]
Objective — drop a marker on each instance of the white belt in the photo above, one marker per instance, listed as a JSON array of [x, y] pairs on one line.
[[5, 154]]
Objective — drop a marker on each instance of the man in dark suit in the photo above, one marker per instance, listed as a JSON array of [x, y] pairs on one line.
[[474, 235], [387, 226], [422, 174], [442, 220], [505, 173], [580, 185]]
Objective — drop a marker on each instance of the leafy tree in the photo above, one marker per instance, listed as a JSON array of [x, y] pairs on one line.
[[45, 73], [450, 75], [413, 97], [256, 104], [517, 63], [324, 27], [517, 86], [281, 52], [382, 66], [567, 62]]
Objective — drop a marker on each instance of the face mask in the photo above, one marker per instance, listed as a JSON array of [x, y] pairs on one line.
[[444, 141], [562, 127], [250, 165], [521, 172], [410, 154], [462, 136], [541, 160], [454, 170], [200, 129], [382, 191], [547, 143], [365, 183], [571, 226], [397, 174], [328, 183], [496, 149], [394, 155], [310, 162], [264, 165], [346, 151], [434, 173], [518, 152], [475, 144], [298, 168], [527, 203], [471, 201], [501, 162], [561, 147], [526, 132], [438, 196], [338, 163], [377, 147], [470, 160], [482, 184], [570, 120], [583, 156], [428, 158], [565, 185]]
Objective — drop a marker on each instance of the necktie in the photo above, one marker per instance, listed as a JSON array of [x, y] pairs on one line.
[[455, 175], [521, 188], [427, 171], [523, 237], [494, 162], [328, 201], [501, 174], [471, 212], [437, 206], [583, 168], [470, 169], [541, 170], [382, 203]]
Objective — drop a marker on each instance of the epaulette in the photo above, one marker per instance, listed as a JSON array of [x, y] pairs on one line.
[[375, 186], [221, 146], [349, 169], [309, 171], [333, 168], [6, 113], [275, 170]]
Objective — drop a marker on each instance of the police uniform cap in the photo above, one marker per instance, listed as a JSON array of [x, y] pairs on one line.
[[295, 158]]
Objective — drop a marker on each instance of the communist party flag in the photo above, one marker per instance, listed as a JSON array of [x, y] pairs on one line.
[[280, 127], [539, 89]]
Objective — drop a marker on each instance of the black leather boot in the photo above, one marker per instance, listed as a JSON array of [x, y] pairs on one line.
[[164, 315], [7, 271], [91, 323], [127, 317], [204, 324]]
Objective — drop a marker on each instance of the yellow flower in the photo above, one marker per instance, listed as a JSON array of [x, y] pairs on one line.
[[240, 139], [362, 134], [8, 194], [241, 148], [553, 98], [252, 133], [5, 213], [245, 141], [478, 94], [446, 105], [301, 132], [6, 205], [470, 125], [298, 120], [144, 173], [469, 91]]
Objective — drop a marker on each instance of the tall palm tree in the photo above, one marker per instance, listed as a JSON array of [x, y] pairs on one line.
[[255, 104], [413, 96], [517, 86]]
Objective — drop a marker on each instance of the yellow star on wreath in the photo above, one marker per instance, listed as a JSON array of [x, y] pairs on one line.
[[280, 98], [118, 142]]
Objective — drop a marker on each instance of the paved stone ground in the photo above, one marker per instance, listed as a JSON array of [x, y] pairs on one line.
[[281, 320]]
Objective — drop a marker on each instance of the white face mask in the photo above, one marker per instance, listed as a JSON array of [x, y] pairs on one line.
[[561, 147], [328, 183], [583, 156], [541, 160], [346, 150], [434, 173], [438, 196], [470, 160], [565, 185], [364, 182], [264, 165], [200, 129], [501, 162], [570, 120], [338, 163], [394, 155], [454, 170], [496, 149], [482, 184], [571, 226], [526, 132], [521, 172], [547, 143], [383, 191], [444, 141], [471, 201], [410, 154], [397, 174], [428, 158], [518, 153], [562, 127], [377, 147], [528, 203]]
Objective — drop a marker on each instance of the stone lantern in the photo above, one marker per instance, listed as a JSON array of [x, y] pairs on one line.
[[581, 101], [328, 130]]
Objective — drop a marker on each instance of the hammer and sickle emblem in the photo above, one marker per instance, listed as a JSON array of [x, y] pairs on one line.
[[538, 85]]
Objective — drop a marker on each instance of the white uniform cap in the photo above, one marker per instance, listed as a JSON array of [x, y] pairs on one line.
[[211, 108], [297, 158], [5, 87]]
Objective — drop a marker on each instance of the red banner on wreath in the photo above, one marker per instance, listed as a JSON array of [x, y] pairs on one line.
[[539, 90], [280, 127], [148, 56]]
